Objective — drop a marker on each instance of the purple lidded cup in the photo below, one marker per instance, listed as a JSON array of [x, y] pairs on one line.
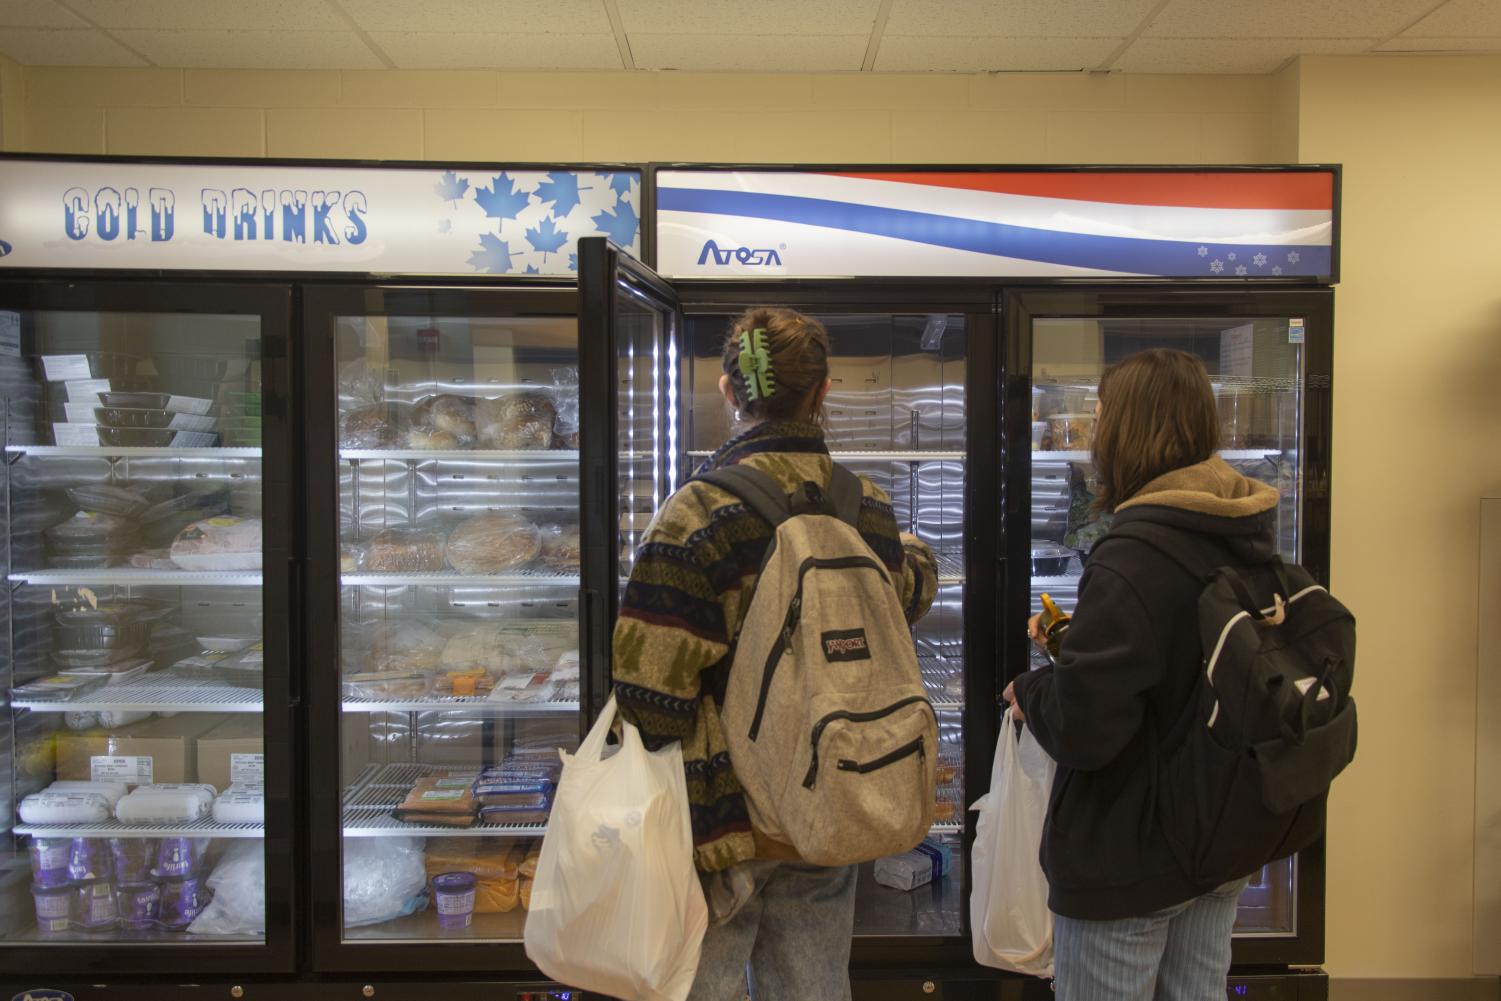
[[454, 893], [49, 861], [54, 908], [178, 858], [89, 859], [138, 904], [133, 858], [181, 901], [94, 905]]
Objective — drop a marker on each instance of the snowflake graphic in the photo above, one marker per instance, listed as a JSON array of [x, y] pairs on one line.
[[1231, 255], [562, 189], [445, 225], [1203, 251], [1276, 269], [1292, 257], [450, 187], [493, 257], [1240, 269], [1260, 260], [1216, 265]]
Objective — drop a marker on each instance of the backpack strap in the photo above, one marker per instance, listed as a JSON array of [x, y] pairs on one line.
[[760, 492], [1170, 543], [846, 492]]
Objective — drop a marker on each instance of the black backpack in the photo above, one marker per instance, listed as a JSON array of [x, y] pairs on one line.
[[1242, 776]]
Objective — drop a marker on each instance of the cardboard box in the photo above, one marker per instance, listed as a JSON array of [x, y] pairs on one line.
[[169, 745], [232, 750]]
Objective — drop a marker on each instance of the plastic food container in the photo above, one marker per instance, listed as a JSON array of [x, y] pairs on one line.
[[49, 862], [85, 528], [388, 685], [1042, 437], [94, 905], [1072, 432], [133, 417], [133, 858], [1050, 560], [136, 437], [182, 900], [245, 669], [119, 672], [105, 499], [138, 904], [89, 858], [120, 629], [54, 907], [58, 688], [453, 893]]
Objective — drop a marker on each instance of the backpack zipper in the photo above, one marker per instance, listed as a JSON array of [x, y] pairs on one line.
[[789, 624], [905, 751], [854, 717]]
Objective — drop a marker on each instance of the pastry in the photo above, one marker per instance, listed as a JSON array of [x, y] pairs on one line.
[[449, 413], [404, 550], [517, 421], [491, 543]]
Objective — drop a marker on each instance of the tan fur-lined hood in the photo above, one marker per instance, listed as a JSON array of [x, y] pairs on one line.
[[1211, 488]]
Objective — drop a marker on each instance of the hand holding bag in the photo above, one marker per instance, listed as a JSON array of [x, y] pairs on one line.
[[617, 908]]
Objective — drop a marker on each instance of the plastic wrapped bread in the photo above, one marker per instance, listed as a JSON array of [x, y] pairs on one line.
[[223, 543], [240, 805], [561, 548], [176, 803], [517, 421], [64, 808], [447, 413], [405, 550], [493, 543], [382, 425]]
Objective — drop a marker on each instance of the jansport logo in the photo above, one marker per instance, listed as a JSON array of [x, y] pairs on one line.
[[763, 257], [845, 644]]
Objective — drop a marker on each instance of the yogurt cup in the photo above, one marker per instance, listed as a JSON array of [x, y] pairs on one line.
[[133, 858], [178, 857], [49, 862], [94, 905], [138, 904], [454, 894], [54, 908], [89, 859], [182, 900]]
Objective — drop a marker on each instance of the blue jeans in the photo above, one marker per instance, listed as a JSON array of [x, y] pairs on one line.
[[1178, 954], [793, 933]]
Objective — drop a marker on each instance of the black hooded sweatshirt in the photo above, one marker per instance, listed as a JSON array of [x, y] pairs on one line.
[[1127, 667]]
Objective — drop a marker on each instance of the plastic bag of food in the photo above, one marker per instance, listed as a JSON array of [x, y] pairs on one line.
[[446, 414], [517, 421], [405, 645], [379, 426], [562, 548], [359, 387], [384, 879], [493, 543], [223, 543], [239, 885], [405, 550]]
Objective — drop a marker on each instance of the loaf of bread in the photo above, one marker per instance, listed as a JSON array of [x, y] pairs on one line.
[[517, 421], [378, 426], [493, 543], [447, 412], [405, 550], [432, 438]]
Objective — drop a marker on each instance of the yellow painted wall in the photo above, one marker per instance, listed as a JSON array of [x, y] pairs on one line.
[[12, 103], [1417, 441], [478, 115]]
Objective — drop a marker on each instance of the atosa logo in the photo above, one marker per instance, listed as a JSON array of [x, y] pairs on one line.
[[768, 257], [5, 248]]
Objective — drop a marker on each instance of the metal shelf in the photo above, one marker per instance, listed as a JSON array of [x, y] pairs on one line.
[[946, 829], [876, 456], [446, 578], [381, 788], [935, 672], [101, 451], [206, 828], [1228, 454], [458, 454], [133, 576], [950, 568], [481, 704], [157, 694]]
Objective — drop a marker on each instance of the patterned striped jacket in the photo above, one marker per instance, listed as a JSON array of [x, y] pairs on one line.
[[684, 604]]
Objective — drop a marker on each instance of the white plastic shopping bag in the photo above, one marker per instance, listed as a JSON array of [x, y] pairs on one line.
[[1010, 923], [617, 907]]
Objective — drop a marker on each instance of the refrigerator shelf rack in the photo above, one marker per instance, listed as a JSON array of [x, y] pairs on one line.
[[479, 704], [947, 829], [936, 672], [136, 577], [101, 451], [205, 828], [458, 455], [863, 455], [950, 568], [157, 694], [1228, 454], [446, 578], [379, 789]]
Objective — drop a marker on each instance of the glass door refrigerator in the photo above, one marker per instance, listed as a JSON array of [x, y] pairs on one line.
[[146, 757], [443, 442], [1269, 355]]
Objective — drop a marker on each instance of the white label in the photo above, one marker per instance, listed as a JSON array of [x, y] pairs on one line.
[[75, 434], [189, 404], [86, 390], [136, 771], [247, 769], [62, 368], [1295, 331]]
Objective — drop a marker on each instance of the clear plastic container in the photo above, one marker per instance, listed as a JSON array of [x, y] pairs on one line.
[[1072, 432], [388, 685], [1050, 559]]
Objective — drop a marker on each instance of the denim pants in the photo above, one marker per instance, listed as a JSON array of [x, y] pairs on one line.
[[1178, 954], [793, 933]]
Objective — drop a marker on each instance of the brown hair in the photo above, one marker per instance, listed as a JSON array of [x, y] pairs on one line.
[[1157, 414], [799, 350]]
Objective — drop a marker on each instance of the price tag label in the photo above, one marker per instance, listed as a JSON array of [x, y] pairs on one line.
[[247, 769], [1295, 331], [136, 771]]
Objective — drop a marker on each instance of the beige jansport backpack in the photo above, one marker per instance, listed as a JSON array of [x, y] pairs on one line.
[[830, 730]]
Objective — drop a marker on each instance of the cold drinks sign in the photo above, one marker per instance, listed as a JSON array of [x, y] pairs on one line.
[[431, 221]]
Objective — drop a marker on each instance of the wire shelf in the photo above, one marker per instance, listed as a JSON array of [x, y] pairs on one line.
[[481, 704], [459, 455], [1228, 454], [135, 577], [950, 568], [381, 788], [874, 455], [157, 695], [445, 578], [205, 828], [936, 674], [101, 451]]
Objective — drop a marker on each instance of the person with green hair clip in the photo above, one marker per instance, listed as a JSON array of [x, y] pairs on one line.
[[787, 922]]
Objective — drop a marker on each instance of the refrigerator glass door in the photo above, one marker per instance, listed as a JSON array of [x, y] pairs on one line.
[[458, 637], [1256, 368], [146, 663]]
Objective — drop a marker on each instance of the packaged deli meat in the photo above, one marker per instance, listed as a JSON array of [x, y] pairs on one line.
[[447, 413], [405, 550], [222, 543], [561, 548], [493, 543], [516, 421]]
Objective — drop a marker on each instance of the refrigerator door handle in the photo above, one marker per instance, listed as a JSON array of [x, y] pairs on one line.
[[295, 570]]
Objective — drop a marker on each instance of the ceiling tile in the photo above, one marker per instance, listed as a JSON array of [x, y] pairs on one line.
[[1284, 18], [465, 17], [765, 17], [990, 53], [1473, 43], [474, 50], [1218, 55], [64, 47], [1460, 19], [1028, 18], [749, 53], [36, 14], [253, 49], [210, 15]]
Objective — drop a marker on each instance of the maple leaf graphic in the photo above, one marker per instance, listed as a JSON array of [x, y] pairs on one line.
[[450, 187], [620, 183], [531, 269], [573, 262], [493, 257], [562, 189], [501, 200], [546, 237], [619, 225]]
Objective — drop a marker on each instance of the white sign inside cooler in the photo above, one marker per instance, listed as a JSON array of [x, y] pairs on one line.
[[1237, 352], [247, 770], [1295, 330], [132, 770]]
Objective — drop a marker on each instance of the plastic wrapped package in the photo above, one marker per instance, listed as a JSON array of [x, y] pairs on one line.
[[562, 549], [447, 414], [225, 543], [238, 883], [405, 550], [493, 543], [517, 421], [405, 645], [379, 426], [103, 498], [446, 801], [64, 808], [351, 558], [359, 386], [384, 879], [388, 684], [175, 803], [240, 805]]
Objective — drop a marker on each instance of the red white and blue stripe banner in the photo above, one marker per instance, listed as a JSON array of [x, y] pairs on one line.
[[1020, 224]]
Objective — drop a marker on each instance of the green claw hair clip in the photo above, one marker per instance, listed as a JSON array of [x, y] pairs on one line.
[[755, 366]]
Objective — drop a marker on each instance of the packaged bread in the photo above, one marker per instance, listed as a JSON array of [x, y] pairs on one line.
[[446, 801], [447, 413], [528, 867], [562, 549], [405, 550], [432, 438], [487, 858], [492, 543], [516, 421], [378, 426], [526, 894], [497, 896]]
